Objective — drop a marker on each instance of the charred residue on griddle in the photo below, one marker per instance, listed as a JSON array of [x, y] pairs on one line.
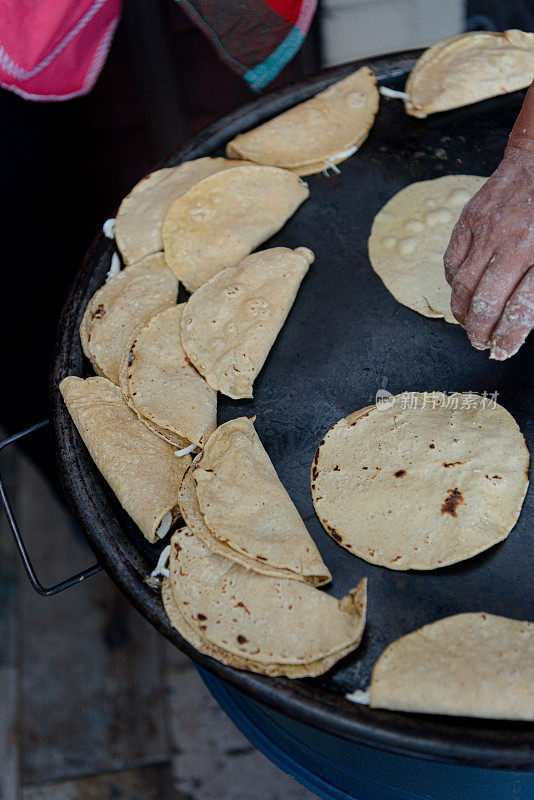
[[452, 501]]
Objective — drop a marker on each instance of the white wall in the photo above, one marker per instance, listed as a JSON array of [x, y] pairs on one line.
[[353, 29]]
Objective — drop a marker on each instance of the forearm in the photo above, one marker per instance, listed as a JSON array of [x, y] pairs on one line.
[[522, 135]]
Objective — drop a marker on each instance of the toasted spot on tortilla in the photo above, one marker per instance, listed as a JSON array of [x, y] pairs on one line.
[[451, 502]]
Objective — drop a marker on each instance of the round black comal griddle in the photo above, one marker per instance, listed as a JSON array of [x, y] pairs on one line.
[[345, 338]]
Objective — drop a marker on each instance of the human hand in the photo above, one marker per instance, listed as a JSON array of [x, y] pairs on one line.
[[489, 262]]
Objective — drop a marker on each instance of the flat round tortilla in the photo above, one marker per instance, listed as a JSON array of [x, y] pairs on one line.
[[139, 221], [120, 307], [469, 665], [421, 483], [325, 128], [410, 235], [467, 68], [262, 619], [159, 383], [230, 324], [218, 222]]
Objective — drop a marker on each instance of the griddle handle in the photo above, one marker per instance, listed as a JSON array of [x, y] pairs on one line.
[[19, 541]]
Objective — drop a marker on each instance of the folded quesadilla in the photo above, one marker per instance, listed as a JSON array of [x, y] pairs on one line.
[[224, 217], [241, 504], [164, 390], [230, 324], [268, 625], [119, 308], [469, 665], [467, 68], [140, 467], [322, 131], [139, 221]]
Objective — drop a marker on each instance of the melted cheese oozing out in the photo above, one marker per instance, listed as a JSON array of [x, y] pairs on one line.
[[165, 525], [386, 92], [161, 570], [343, 153], [115, 267], [329, 162], [185, 450], [363, 697], [108, 228]]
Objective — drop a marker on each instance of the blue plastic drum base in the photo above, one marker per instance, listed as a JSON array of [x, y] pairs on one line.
[[337, 769]]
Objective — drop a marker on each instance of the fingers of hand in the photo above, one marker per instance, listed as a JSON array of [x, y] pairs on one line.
[[458, 248], [517, 320], [466, 280], [496, 285]]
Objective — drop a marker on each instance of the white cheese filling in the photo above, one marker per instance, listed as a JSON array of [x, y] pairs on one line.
[[115, 267], [161, 570], [185, 450], [108, 228], [164, 526], [329, 162], [361, 696], [386, 92]]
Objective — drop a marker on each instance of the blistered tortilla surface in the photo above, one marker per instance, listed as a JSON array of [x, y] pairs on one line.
[[410, 235], [224, 217], [139, 221], [230, 324]]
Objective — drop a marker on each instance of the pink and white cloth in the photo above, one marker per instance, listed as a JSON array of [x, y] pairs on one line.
[[54, 49]]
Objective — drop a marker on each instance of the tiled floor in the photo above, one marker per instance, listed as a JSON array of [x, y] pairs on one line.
[[95, 704]]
